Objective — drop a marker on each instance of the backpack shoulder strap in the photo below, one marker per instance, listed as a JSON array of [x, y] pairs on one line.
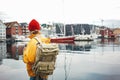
[[36, 38]]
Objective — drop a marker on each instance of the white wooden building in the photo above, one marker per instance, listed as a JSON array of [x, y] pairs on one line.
[[2, 31]]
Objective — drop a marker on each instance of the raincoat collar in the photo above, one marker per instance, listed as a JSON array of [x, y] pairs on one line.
[[33, 35]]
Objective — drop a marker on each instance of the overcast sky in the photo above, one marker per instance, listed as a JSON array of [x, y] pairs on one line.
[[68, 11]]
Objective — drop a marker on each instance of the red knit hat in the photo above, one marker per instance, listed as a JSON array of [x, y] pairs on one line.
[[34, 25]]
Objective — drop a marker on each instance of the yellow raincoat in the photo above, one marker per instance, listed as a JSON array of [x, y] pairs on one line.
[[29, 53]]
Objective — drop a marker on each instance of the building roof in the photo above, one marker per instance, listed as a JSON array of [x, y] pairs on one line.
[[23, 24], [11, 24]]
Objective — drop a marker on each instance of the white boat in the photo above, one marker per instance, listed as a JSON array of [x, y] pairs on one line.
[[87, 37], [84, 38]]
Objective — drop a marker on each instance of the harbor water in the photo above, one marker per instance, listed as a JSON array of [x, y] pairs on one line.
[[82, 60]]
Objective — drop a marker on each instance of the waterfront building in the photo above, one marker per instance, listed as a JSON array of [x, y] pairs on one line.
[[75, 29], [59, 29], [13, 30], [2, 31], [106, 32], [25, 30]]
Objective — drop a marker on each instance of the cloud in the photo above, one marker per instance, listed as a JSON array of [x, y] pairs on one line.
[[61, 10]]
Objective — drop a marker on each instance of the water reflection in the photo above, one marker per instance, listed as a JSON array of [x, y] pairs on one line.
[[14, 50], [2, 51], [91, 66], [77, 47], [73, 66]]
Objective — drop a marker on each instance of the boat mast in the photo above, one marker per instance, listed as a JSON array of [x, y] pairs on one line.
[[72, 30], [64, 29]]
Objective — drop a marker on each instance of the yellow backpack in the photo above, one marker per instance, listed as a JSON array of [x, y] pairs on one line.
[[45, 58]]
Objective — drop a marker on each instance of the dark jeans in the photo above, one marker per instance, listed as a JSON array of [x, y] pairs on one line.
[[34, 78]]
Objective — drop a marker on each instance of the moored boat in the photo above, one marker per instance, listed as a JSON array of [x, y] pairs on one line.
[[63, 39], [84, 38]]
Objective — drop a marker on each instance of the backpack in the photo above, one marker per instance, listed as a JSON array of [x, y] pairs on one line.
[[45, 58]]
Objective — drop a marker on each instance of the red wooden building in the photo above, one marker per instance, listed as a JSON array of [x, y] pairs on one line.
[[13, 29], [107, 33]]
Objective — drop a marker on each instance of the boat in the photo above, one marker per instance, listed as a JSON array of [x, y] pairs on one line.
[[63, 39], [84, 38]]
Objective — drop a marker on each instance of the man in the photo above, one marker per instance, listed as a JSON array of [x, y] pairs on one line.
[[29, 52]]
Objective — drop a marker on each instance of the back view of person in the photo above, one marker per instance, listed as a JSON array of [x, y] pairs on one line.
[[45, 60], [29, 53]]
